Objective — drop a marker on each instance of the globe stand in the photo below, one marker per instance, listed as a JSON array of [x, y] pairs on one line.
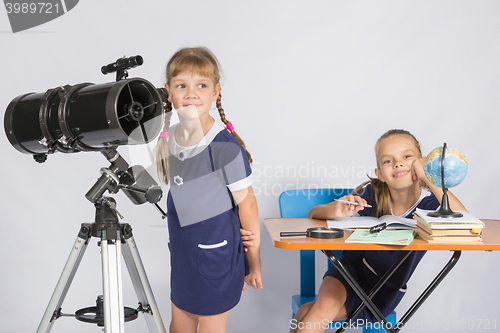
[[444, 211]]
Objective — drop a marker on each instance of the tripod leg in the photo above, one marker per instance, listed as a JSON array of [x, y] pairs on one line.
[[114, 315], [75, 257], [141, 283]]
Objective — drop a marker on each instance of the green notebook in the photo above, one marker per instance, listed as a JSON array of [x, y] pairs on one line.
[[388, 237]]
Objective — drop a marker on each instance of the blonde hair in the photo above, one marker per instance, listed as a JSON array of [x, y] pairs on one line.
[[202, 61], [381, 190]]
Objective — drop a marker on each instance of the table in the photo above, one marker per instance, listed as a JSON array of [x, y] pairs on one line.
[[273, 226]]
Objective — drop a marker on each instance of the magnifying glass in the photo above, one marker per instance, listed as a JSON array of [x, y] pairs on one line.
[[320, 232]]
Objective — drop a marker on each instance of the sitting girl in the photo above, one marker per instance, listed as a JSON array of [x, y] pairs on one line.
[[400, 188]]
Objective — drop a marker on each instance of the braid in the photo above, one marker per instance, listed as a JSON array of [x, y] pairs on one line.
[[221, 110], [162, 147], [167, 108], [225, 121]]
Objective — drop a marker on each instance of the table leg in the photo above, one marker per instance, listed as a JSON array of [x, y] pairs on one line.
[[433, 285], [377, 287], [357, 289], [411, 311]]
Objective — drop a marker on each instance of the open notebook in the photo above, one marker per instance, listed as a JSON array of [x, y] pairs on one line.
[[354, 222]]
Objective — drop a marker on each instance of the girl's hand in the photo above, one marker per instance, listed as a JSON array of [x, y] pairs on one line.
[[246, 237], [254, 279], [337, 209], [345, 210], [417, 170]]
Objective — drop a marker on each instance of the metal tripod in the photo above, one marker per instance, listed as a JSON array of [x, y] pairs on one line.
[[115, 239]]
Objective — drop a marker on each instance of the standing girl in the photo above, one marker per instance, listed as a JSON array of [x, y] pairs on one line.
[[396, 191], [210, 197]]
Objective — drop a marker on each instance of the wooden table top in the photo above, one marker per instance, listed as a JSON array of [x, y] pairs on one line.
[[273, 226]]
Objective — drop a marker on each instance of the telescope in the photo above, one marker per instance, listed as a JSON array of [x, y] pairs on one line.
[[98, 117], [87, 116]]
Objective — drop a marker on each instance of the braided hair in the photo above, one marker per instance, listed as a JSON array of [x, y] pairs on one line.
[[162, 147], [233, 132]]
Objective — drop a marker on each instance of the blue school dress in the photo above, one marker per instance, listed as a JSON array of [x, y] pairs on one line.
[[207, 259], [367, 267]]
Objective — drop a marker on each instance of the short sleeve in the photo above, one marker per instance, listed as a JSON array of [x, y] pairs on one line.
[[232, 160], [430, 202], [368, 194]]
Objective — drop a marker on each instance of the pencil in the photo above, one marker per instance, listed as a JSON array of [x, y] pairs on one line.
[[350, 202]]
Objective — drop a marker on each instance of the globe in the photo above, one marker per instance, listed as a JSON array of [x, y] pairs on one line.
[[455, 167]]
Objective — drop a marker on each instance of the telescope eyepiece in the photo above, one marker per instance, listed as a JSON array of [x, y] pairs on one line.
[[132, 62], [122, 64]]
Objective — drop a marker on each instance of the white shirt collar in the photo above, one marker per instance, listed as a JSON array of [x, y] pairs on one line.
[[187, 152]]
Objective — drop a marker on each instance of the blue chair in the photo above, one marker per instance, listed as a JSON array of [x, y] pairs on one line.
[[296, 204]]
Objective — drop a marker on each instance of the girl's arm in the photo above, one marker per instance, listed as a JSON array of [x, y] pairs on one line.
[[337, 209], [419, 173], [249, 219]]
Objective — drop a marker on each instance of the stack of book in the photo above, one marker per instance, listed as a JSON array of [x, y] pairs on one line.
[[440, 230]]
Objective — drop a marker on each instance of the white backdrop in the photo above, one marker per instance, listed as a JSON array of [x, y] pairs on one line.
[[309, 86]]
